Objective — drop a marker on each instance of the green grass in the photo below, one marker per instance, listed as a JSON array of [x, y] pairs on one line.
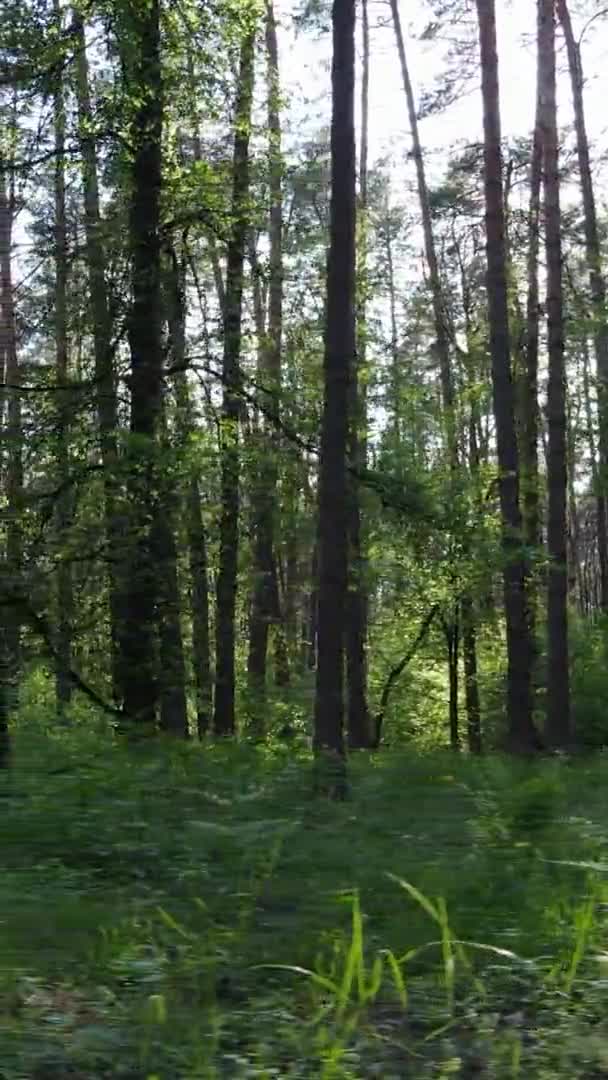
[[174, 912]]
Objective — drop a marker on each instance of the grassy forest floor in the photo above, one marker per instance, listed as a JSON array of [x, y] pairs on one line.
[[175, 913]]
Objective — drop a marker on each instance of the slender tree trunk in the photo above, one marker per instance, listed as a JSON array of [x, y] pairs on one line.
[[13, 441], [10, 629], [522, 735], [265, 599], [360, 724], [173, 715], [558, 683], [65, 599], [104, 358], [224, 710], [338, 366], [452, 637], [597, 281], [471, 685], [439, 315], [195, 528], [529, 376], [139, 632]]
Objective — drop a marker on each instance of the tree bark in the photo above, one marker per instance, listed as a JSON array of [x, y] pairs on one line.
[[529, 377], [265, 598], [471, 685], [105, 388], [10, 630], [597, 281], [521, 732], [360, 727], [139, 631], [439, 315], [338, 364], [65, 598], [195, 527], [558, 683], [224, 706]]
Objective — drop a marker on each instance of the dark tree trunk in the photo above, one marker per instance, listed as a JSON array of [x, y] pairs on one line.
[[360, 725], [558, 682], [104, 358], [224, 711], [265, 606], [521, 734], [10, 631], [65, 599], [452, 638], [471, 685], [139, 632], [597, 282], [338, 366], [529, 376]]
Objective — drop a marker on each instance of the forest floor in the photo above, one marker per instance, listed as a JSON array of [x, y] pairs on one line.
[[171, 912]]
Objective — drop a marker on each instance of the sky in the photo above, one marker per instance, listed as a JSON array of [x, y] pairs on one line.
[[303, 76]]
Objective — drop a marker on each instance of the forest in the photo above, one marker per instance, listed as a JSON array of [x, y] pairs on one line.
[[303, 540]]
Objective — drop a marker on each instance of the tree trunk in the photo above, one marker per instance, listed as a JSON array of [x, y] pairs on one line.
[[597, 281], [265, 602], [10, 630], [521, 733], [105, 388], [471, 686], [360, 725], [337, 369], [529, 376], [439, 315], [224, 711], [65, 599], [452, 637], [558, 683], [195, 528], [139, 632]]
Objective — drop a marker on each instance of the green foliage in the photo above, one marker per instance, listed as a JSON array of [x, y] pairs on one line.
[[173, 911]]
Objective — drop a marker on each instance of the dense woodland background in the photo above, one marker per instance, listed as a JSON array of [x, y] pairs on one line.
[[304, 448], [278, 442]]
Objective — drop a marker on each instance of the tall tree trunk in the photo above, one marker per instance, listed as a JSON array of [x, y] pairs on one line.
[[195, 528], [224, 711], [265, 599], [439, 314], [361, 733], [529, 376], [139, 632], [558, 683], [600, 507], [522, 735], [597, 281], [10, 629], [105, 388], [65, 599], [337, 369]]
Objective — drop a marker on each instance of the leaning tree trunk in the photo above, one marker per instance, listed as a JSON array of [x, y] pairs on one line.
[[65, 599], [360, 726], [521, 735], [597, 281], [558, 683], [223, 710], [139, 631], [337, 369], [437, 298], [265, 598], [105, 389]]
